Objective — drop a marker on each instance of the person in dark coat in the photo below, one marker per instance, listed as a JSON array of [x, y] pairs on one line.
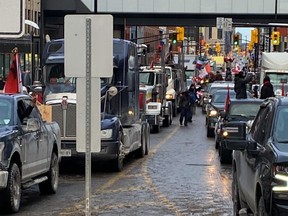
[[2, 83], [240, 84], [266, 89], [184, 105]]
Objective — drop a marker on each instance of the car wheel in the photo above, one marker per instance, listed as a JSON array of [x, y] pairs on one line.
[[174, 109], [261, 210], [235, 195], [11, 197], [210, 132], [166, 121], [118, 163], [155, 128], [216, 144], [50, 186]]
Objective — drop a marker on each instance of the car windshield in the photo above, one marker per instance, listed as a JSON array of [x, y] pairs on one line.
[[146, 78], [281, 132], [6, 112], [275, 78], [220, 97], [244, 109], [214, 89]]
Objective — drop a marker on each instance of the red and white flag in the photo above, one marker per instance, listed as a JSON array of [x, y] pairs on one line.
[[13, 83]]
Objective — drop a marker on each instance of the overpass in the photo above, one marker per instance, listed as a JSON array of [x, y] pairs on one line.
[[199, 13]]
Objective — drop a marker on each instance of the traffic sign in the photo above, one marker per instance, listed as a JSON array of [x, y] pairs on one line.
[[228, 24], [12, 18], [220, 22]]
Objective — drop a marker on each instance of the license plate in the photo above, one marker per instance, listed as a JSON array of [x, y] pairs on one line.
[[65, 152]]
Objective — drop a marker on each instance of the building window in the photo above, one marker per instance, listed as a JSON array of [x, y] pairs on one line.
[[210, 32], [219, 34]]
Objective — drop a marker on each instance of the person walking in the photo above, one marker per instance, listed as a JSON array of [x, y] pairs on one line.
[[184, 105], [193, 98], [240, 84], [2, 83], [266, 89]]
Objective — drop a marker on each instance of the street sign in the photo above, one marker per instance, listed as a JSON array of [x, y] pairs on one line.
[[220, 22], [12, 18], [228, 24]]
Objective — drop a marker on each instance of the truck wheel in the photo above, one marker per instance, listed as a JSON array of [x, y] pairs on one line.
[[174, 108], [210, 132], [141, 151], [261, 210], [155, 128], [147, 140], [235, 195], [51, 184], [166, 121], [10, 197], [216, 145], [118, 163]]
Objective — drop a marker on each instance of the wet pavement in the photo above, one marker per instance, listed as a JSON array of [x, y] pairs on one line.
[[181, 176]]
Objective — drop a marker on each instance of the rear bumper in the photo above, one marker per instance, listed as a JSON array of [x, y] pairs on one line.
[[109, 151]]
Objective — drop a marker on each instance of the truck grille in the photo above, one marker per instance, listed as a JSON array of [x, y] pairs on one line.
[[58, 116]]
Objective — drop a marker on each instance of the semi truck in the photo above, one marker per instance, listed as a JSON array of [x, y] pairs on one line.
[[155, 108], [122, 129], [275, 65]]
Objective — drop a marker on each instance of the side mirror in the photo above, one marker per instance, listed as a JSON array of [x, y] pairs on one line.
[[33, 125]]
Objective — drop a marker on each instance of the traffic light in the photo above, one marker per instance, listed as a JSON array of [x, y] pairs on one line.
[[275, 38], [180, 33], [174, 38], [254, 35], [250, 46], [236, 40]]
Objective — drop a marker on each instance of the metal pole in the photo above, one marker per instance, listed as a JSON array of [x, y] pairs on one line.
[[88, 119], [276, 6]]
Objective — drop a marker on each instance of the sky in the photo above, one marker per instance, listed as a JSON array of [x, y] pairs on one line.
[[245, 32]]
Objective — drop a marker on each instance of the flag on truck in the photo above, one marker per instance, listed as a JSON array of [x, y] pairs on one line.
[[227, 100], [13, 83]]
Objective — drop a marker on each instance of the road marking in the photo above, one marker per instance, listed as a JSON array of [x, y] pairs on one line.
[[80, 205]]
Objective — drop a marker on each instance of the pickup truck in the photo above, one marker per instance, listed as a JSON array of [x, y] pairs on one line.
[[29, 150], [260, 162]]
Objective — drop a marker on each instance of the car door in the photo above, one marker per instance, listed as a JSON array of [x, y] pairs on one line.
[[28, 141], [43, 157], [257, 163]]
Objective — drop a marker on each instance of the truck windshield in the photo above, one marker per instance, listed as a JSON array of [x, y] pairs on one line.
[[6, 112], [146, 78], [275, 78]]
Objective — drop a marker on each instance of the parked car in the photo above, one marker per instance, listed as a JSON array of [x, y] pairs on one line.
[[29, 150], [212, 88], [215, 106], [239, 111], [260, 162]]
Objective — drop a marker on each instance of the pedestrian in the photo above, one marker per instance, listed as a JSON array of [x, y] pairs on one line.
[[2, 83], [218, 76], [228, 76], [184, 105], [240, 84], [193, 98], [266, 89], [255, 91]]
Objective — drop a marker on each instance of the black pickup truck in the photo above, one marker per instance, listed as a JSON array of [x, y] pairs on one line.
[[260, 162], [29, 150]]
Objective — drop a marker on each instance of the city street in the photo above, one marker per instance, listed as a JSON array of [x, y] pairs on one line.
[[180, 176]]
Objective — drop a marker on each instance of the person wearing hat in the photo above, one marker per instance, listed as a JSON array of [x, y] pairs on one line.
[[240, 84], [266, 89]]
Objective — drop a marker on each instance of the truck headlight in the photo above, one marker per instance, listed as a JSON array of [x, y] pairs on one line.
[[169, 96], [212, 113], [106, 134], [281, 175], [2, 145]]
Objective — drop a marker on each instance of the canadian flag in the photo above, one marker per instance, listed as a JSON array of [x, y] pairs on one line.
[[13, 83], [237, 69]]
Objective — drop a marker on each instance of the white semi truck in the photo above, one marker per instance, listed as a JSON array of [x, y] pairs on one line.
[[275, 65]]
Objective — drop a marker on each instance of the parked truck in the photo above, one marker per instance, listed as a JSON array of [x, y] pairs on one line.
[[29, 150], [275, 65], [122, 130], [157, 110]]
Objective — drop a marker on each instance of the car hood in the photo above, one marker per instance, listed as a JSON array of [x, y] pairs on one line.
[[218, 106], [7, 132]]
